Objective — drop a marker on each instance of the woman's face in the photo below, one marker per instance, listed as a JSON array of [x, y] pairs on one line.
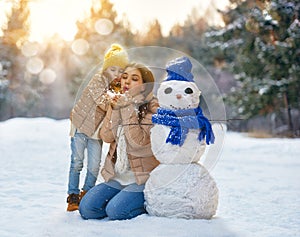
[[130, 78]]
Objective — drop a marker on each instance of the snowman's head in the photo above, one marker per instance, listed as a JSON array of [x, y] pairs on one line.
[[179, 90], [178, 95]]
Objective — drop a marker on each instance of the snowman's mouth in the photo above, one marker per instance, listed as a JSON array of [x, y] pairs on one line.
[[176, 108]]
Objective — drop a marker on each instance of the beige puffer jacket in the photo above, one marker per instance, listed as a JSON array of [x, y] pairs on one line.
[[137, 136], [91, 107]]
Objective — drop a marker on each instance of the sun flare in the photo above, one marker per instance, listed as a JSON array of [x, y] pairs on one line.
[[50, 17]]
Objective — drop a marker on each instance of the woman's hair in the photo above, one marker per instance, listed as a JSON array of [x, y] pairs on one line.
[[148, 80], [147, 76]]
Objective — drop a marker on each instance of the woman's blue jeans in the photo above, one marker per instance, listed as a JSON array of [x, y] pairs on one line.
[[79, 143], [113, 200]]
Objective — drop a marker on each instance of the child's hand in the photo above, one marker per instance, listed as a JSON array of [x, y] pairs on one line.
[[116, 101], [115, 85]]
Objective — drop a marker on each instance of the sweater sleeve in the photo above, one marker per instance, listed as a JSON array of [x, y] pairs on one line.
[[110, 125], [137, 133], [97, 89]]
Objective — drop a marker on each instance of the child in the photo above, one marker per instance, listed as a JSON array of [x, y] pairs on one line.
[[130, 159], [86, 117]]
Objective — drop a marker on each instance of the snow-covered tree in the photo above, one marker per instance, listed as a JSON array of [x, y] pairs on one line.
[[94, 36], [261, 42]]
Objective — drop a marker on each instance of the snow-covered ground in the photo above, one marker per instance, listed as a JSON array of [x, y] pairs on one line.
[[258, 180]]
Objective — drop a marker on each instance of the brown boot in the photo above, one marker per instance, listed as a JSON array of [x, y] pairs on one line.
[[82, 193], [73, 202]]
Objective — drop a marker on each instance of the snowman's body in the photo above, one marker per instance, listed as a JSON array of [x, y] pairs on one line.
[[166, 153], [181, 191], [179, 186]]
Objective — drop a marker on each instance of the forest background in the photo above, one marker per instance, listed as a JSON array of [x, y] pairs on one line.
[[252, 54]]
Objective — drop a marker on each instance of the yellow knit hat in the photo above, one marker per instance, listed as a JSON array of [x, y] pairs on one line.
[[115, 56]]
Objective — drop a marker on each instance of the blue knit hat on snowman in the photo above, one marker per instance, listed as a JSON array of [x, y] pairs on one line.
[[180, 69], [180, 121]]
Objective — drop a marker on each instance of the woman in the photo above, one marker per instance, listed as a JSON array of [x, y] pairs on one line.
[[126, 127]]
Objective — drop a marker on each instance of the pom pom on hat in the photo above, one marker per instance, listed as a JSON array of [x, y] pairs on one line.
[[180, 69], [115, 56]]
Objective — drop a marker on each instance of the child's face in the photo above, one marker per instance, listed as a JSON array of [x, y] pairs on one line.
[[130, 78], [113, 72]]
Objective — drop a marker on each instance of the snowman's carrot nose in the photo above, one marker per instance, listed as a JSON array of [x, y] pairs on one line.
[[178, 96]]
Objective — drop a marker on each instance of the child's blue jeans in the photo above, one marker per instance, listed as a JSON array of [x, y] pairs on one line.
[[79, 143], [114, 201]]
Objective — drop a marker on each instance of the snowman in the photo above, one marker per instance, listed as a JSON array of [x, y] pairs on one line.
[[180, 186]]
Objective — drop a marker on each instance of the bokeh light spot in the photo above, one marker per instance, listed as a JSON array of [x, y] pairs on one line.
[[104, 26], [47, 76], [29, 49], [80, 46], [35, 65]]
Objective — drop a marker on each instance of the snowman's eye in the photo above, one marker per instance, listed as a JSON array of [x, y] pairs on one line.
[[188, 91], [168, 90]]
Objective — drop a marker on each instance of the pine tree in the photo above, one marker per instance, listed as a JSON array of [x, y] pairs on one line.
[[189, 37], [153, 36], [13, 87], [261, 43], [99, 30]]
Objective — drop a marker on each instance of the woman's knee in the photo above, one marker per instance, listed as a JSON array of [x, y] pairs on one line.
[[125, 205], [84, 210], [88, 210], [115, 211], [93, 203]]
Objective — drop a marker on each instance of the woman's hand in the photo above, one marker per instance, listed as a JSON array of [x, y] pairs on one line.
[[123, 100]]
